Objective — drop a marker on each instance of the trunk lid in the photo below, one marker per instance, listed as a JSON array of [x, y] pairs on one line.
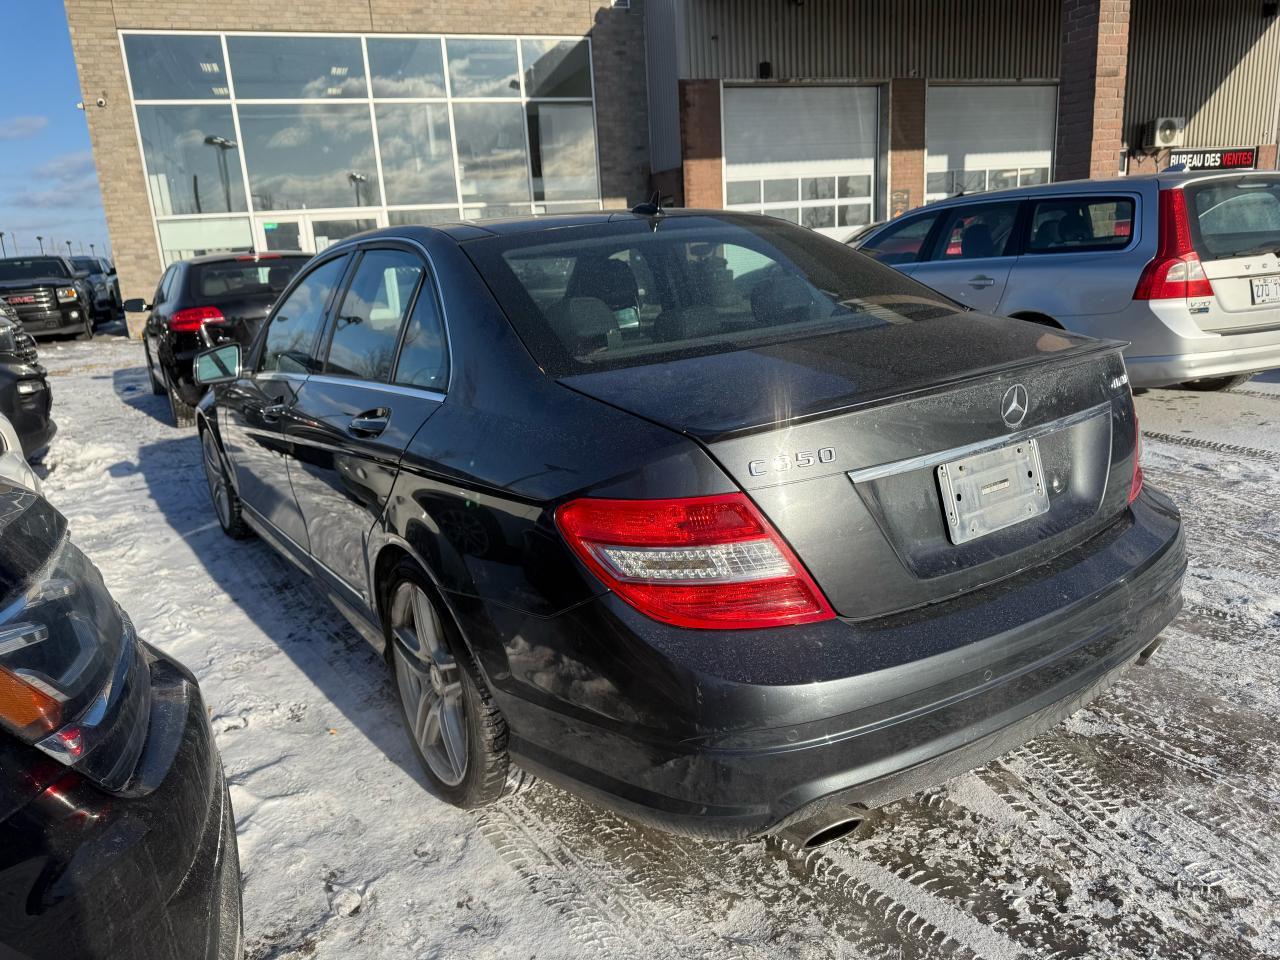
[[838, 439], [1235, 228]]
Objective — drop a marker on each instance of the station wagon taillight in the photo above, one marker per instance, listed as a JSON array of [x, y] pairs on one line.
[[1176, 272], [191, 319], [704, 562]]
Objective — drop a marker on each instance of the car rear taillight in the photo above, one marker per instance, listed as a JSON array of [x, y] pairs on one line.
[[191, 319], [707, 562], [1176, 272]]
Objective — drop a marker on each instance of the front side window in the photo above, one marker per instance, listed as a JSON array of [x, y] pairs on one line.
[[900, 242], [975, 232], [614, 295], [367, 326], [296, 324], [1072, 224]]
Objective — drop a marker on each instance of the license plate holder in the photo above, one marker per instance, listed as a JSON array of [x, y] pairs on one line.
[[1265, 289], [992, 490]]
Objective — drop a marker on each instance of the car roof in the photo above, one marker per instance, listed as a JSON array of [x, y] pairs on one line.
[[1164, 180]]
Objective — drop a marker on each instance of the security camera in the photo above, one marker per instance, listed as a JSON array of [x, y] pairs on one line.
[[102, 101]]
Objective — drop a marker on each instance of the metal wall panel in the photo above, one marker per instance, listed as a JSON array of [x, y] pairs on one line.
[[871, 39], [1217, 64]]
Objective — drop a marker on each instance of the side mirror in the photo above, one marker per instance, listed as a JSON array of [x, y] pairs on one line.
[[219, 365], [111, 271], [82, 274], [136, 305]]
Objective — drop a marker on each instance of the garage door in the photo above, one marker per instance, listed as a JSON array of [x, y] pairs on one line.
[[806, 154], [988, 138]]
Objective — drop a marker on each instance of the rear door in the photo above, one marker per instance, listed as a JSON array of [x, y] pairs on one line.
[[1235, 228], [383, 376], [973, 253]]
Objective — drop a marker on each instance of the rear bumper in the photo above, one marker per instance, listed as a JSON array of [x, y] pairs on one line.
[[939, 691], [29, 413], [1162, 371]]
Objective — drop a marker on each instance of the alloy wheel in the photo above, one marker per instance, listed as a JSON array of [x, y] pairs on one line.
[[217, 480], [430, 685]]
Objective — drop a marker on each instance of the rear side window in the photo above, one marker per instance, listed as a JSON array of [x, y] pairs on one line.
[[367, 325], [1235, 217], [975, 232], [247, 278], [424, 355], [296, 324], [900, 242], [1078, 224], [620, 294]]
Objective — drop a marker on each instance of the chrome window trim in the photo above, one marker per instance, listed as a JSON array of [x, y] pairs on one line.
[[421, 393], [929, 460]]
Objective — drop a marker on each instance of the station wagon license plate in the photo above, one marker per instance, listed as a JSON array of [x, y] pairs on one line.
[[1266, 289], [992, 490]]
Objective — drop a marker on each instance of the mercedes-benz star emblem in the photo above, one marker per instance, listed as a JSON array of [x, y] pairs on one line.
[[1013, 407]]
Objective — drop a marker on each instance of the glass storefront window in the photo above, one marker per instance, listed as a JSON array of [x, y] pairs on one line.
[[192, 159], [176, 67], [407, 218], [417, 153], [329, 232], [492, 164], [406, 67], [483, 68], [562, 141], [182, 239], [556, 68], [308, 156], [293, 68], [742, 192], [494, 212]]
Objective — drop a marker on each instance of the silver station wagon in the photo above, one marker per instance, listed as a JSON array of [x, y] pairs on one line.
[[1184, 266]]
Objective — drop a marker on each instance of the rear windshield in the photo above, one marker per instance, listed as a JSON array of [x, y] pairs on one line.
[[15, 269], [623, 294], [87, 264], [244, 278], [1235, 217]]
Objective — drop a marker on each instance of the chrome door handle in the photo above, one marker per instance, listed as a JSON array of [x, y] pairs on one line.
[[370, 423], [981, 280]]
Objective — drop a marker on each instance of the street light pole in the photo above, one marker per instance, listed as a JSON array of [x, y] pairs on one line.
[[357, 179], [3, 251], [68, 248], [92, 251], [223, 145], [40, 240]]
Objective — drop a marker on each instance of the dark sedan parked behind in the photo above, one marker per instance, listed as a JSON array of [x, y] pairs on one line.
[[704, 516], [202, 302]]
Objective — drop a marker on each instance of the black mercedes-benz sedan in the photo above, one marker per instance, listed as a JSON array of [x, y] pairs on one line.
[[202, 302], [703, 516], [116, 832]]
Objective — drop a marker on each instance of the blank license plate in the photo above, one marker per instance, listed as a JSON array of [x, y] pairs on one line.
[[993, 490], [1266, 289]]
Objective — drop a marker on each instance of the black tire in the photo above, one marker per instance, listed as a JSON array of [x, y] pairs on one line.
[[1208, 384], [219, 480], [87, 332], [487, 773], [157, 386], [184, 415]]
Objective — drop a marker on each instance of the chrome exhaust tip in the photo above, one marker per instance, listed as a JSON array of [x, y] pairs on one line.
[[821, 827]]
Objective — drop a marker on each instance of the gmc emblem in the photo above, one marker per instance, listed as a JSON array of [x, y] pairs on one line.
[[27, 299]]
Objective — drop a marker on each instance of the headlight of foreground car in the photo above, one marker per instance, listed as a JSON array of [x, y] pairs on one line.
[[27, 387], [8, 340], [74, 681], [66, 294]]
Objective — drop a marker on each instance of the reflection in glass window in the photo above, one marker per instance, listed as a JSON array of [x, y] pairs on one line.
[[192, 158], [859, 186], [329, 232], [580, 206], [417, 154], [303, 156], [406, 67], [819, 218], [495, 212], [424, 355], [176, 67], [818, 188], [368, 325], [778, 190], [556, 68], [289, 68], [562, 139], [407, 218], [296, 324], [483, 68], [855, 214], [183, 239], [743, 192], [491, 153]]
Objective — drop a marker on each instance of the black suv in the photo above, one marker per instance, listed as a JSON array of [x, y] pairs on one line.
[[24, 391], [101, 277], [200, 303], [49, 295]]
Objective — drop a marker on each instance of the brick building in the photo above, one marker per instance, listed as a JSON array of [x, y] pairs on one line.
[[241, 124]]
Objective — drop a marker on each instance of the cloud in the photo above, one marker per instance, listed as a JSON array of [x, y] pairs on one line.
[[63, 182], [68, 168], [22, 128]]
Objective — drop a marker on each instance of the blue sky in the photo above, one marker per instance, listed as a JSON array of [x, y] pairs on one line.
[[48, 185]]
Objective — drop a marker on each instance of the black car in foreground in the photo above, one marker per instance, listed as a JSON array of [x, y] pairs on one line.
[[25, 397], [103, 285], [704, 516], [202, 302], [116, 832], [49, 295]]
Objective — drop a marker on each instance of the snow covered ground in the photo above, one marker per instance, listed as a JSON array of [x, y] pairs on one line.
[[1147, 826]]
